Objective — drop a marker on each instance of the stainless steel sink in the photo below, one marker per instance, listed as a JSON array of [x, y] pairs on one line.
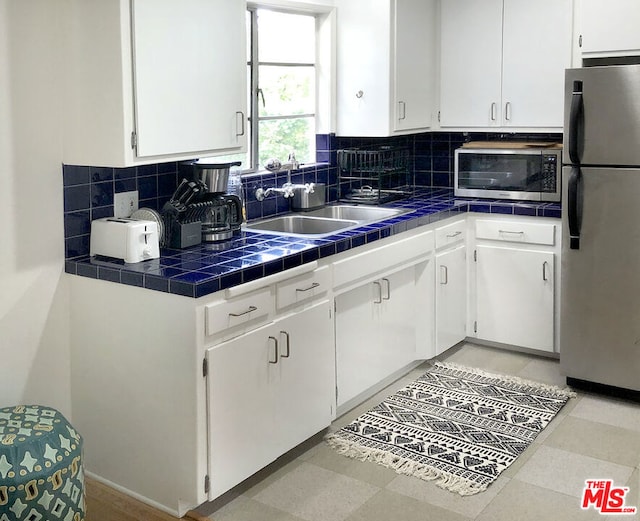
[[301, 225], [325, 221], [361, 214]]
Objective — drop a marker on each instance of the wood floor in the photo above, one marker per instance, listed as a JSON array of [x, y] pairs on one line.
[[106, 504]]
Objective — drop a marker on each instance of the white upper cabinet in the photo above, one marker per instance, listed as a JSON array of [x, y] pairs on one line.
[[502, 63], [149, 80], [610, 28], [189, 75], [470, 62], [385, 66]]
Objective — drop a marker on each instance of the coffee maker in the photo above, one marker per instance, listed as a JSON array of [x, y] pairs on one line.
[[220, 213]]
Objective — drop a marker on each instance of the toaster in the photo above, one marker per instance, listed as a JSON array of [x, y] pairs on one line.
[[132, 240]]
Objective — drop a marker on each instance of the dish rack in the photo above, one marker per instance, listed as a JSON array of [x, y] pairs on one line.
[[373, 176]]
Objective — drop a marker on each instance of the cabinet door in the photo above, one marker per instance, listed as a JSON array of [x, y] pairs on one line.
[[242, 386], [451, 298], [610, 28], [189, 75], [306, 366], [470, 62], [363, 66], [515, 296], [375, 332], [414, 31], [536, 51], [357, 340], [398, 317]]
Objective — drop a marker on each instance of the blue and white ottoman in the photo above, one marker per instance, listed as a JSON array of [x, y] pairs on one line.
[[41, 473]]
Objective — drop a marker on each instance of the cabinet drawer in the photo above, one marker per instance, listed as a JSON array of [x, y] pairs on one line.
[[231, 313], [381, 259], [516, 231], [303, 287], [451, 233]]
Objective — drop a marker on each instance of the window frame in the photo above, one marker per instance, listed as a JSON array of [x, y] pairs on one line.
[[253, 65]]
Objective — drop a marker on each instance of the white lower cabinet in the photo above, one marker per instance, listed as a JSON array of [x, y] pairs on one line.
[[276, 349], [268, 390], [515, 296], [451, 297], [515, 281], [375, 332]]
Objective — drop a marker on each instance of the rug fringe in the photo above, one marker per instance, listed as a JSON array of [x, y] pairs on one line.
[[404, 466], [553, 390]]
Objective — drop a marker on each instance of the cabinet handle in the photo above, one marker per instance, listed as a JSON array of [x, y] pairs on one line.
[[494, 107], [379, 301], [402, 110], [286, 335], [452, 235], [251, 308], [544, 271], [444, 275], [313, 286], [241, 114], [507, 111], [509, 231], [388, 289], [275, 344]]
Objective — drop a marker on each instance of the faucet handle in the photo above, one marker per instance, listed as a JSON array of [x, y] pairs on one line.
[[309, 188], [287, 189]]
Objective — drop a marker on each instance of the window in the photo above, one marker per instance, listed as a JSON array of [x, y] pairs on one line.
[[281, 72]]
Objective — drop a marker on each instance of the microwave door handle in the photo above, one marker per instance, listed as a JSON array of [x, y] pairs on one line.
[[574, 211], [576, 122]]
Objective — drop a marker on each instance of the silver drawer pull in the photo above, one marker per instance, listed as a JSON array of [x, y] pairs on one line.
[[275, 343], [388, 297], [379, 286], [509, 231], [251, 308], [451, 235], [288, 344], [313, 286], [544, 271], [444, 275]]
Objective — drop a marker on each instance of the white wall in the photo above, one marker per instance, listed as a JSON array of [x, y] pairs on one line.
[[34, 316]]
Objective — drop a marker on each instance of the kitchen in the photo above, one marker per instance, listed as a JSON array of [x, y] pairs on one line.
[[35, 324]]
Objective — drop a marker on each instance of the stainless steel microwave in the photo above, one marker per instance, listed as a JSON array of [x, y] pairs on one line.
[[509, 173]]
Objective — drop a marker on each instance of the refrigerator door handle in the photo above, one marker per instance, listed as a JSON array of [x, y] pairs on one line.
[[574, 211], [576, 121]]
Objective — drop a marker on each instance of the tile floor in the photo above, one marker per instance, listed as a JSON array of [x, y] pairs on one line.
[[591, 437]]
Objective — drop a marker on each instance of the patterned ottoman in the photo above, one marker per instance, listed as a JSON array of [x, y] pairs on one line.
[[41, 475]]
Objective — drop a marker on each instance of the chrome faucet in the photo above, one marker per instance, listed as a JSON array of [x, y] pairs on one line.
[[286, 190]]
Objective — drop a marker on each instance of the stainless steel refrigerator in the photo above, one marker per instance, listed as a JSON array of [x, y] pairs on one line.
[[600, 290]]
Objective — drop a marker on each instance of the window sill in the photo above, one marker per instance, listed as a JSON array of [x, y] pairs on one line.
[[305, 167]]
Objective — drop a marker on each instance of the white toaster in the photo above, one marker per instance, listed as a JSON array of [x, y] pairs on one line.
[[132, 240]]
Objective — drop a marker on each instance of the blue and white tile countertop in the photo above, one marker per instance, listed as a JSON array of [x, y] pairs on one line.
[[210, 267]]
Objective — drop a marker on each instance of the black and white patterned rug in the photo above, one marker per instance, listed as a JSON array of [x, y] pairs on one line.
[[454, 424]]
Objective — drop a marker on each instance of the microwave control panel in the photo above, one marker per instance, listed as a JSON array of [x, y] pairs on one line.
[[549, 173]]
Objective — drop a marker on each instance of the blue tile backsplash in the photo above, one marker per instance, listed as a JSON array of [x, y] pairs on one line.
[[201, 270]]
